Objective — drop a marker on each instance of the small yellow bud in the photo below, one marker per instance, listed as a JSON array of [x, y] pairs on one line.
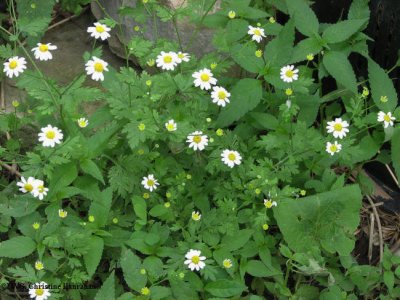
[[310, 57], [265, 226], [39, 265], [143, 271], [303, 192], [213, 66], [219, 132], [168, 195], [231, 14], [146, 195], [167, 205], [62, 213], [211, 140], [148, 82], [36, 225], [258, 191], [188, 176], [227, 263], [259, 24], [289, 92], [272, 20], [145, 1], [384, 99], [208, 120], [140, 152], [365, 92], [91, 219], [259, 53], [136, 28], [33, 5], [15, 103], [181, 275], [142, 127], [145, 291], [151, 62], [115, 220]]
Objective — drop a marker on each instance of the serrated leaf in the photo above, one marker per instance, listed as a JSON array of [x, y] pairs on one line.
[[359, 9], [343, 30], [17, 247], [130, 264], [225, 288], [90, 167], [140, 207], [107, 290], [304, 17], [338, 65], [244, 56], [381, 86], [236, 29], [305, 47], [100, 207], [257, 268], [396, 151], [62, 176], [93, 256], [246, 94]]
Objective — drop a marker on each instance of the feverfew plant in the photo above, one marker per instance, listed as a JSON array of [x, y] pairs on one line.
[[217, 176]]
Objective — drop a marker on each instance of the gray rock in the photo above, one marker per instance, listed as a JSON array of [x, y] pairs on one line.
[[199, 47]]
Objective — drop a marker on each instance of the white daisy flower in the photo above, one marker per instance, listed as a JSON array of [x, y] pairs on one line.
[[62, 213], [338, 128], [231, 158], [14, 66], [42, 51], [50, 136], [333, 148], [183, 57], [171, 125], [196, 216], [150, 183], [99, 31], [387, 119], [96, 67], [194, 260], [167, 60], [256, 33], [220, 96], [26, 186], [197, 140], [227, 263], [289, 73], [268, 203], [83, 122], [39, 291], [39, 190], [204, 79]]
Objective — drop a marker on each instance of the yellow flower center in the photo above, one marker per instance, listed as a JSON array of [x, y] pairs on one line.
[[227, 264], [50, 134], [231, 156], [197, 139], [196, 217], [28, 187], [333, 148], [41, 188], [221, 95], [170, 126], [13, 64], [43, 48], [39, 292], [195, 259], [181, 55], [98, 67], [289, 73], [387, 118], [205, 77], [167, 59], [268, 204], [257, 32], [338, 127], [99, 29], [82, 123], [150, 182]]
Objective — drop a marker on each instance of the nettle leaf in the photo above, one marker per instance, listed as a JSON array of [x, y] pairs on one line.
[[304, 17], [107, 290], [396, 151], [6, 51], [17, 247], [381, 86], [100, 207], [225, 288], [305, 47], [244, 56], [90, 167], [62, 176], [140, 207], [131, 264], [236, 29], [257, 268], [338, 65], [93, 256], [359, 9], [279, 51], [326, 220], [246, 94], [242, 237], [309, 107], [343, 30]]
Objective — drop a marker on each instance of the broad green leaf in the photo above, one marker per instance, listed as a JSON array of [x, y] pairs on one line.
[[359, 9], [131, 264], [17, 247], [93, 256], [62, 176], [338, 65], [381, 86], [236, 29], [343, 30], [258, 269], [279, 51], [245, 96], [326, 220], [396, 151], [304, 17], [244, 56], [305, 47], [100, 207], [309, 107], [225, 288], [242, 237], [107, 290], [88, 166], [140, 207], [160, 292]]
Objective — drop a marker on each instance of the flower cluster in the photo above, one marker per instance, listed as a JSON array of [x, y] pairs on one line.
[[169, 60], [34, 186]]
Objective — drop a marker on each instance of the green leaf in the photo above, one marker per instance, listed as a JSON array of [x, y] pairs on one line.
[[131, 264], [309, 107], [304, 17], [5, 51], [359, 9], [159, 292], [225, 288], [107, 290], [305, 47], [17, 247], [381, 86], [140, 207], [62, 176], [241, 238], [100, 207], [337, 64], [246, 94], [396, 151], [244, 56], [93, 256], [88, 166], [257, 269], [326, 220], [236, 29], [343, 30]]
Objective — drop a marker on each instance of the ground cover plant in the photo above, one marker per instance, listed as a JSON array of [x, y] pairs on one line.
[[234, 175]]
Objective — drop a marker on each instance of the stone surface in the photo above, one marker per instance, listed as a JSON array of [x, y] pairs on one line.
[[164, 30], [72, 41]]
